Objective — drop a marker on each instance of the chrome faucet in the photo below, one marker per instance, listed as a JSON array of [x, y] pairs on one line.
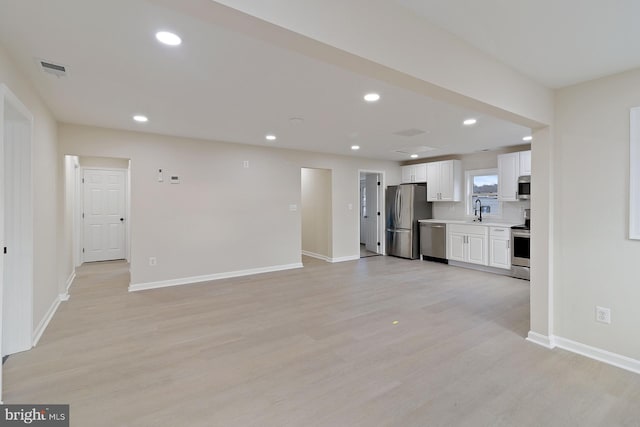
[[476, 210]]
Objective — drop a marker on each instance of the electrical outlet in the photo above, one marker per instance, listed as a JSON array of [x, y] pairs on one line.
[[245, 164], [603, 315], [153, 261]]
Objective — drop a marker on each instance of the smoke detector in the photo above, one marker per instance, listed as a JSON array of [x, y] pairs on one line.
[[51, 67]]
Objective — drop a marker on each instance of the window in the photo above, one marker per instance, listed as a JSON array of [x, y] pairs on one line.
[[483, 185]]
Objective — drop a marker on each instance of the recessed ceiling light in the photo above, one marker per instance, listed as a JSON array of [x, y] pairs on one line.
[[414, 156], [527, 138], [140, 119], [168, 38], [470, 122], [355, 147], [270, 137], [371, 97]]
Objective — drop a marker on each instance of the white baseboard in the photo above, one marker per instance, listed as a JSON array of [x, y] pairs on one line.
[[598, 354], [317, 256], [605, 356], [209, 277], [540, 339], [345, 258], [70, 280], [37, 334]]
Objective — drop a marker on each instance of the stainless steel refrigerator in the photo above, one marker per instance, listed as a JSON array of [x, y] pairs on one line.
[[406, 204]]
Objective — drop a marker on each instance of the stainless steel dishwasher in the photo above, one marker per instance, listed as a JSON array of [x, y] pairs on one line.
[[433, 241]]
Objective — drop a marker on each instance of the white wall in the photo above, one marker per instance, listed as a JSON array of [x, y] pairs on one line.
[[316, 211], [595, 262], [46, 180], [104, 162], [222, 217]]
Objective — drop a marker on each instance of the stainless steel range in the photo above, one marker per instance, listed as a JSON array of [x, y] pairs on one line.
[[520, 248]]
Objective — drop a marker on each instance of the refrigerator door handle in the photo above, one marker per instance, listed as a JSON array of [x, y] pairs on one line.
[[397, 213]]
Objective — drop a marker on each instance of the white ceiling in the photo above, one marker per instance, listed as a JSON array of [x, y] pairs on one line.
[[555, 42], [222, 85]]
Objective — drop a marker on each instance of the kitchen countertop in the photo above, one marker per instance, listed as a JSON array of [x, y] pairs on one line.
[[489, 223]]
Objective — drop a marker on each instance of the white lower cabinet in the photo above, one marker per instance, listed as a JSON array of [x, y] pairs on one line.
[[500, 247], [456, 245], [467, 243]]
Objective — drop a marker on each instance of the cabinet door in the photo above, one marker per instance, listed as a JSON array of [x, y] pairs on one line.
[[477, 251], [499, 253], [456, 247], [508, 172], [525, 163], [420, 172], [433, 181], [407, 174], [446, 181]]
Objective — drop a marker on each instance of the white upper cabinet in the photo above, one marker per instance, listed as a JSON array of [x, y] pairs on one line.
[[444, 181], [407, 174], [525, 163], [420, 172], [414, 173], [510, 167]]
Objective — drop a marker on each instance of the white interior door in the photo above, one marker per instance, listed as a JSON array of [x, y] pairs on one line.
[[104, 214], [373, 209], [17, 224]]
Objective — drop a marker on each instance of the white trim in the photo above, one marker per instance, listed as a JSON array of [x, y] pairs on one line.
[[605, 356], [634, 174], [70, 280], [315, 255], [210, 277], [127, 202], [381, 206], [469, 190], [22, 208], [585, 350], [44, 322], [540, 339], [346, 258]]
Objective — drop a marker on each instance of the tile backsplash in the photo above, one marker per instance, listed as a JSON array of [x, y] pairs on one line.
[[511, 211]]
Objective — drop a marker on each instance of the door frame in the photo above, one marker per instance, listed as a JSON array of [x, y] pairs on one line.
[[22, 208], [80, 209], [381, 202]]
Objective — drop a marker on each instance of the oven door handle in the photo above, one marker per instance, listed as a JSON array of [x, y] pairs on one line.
[[520, 234]]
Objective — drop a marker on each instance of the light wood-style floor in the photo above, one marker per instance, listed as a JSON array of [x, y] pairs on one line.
[[314, 347]]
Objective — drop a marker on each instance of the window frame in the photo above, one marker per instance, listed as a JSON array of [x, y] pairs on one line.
[[468, 175]]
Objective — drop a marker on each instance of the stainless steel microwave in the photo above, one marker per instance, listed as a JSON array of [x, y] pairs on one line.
[[524, 187]]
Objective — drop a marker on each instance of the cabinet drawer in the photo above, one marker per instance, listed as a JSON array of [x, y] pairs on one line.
[[467, 229], [500, 232]]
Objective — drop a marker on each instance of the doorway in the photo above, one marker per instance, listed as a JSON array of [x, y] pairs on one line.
[[371, 202], [316, 208], [98, 207], [16, 224]]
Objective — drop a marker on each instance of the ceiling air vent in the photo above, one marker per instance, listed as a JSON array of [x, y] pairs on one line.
[[414, 150], [409, 132], [53, 68]]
